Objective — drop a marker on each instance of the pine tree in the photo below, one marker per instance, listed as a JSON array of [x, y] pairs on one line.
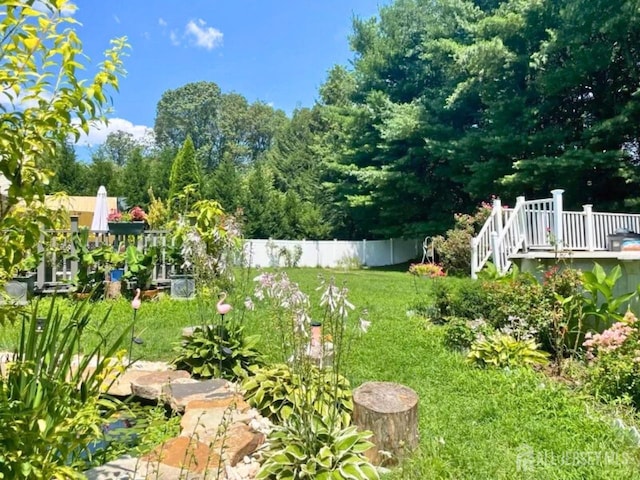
[[184, 171]]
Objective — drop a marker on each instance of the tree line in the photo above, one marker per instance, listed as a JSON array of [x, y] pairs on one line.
[[445, 103]]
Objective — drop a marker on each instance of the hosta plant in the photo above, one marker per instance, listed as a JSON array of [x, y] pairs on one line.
[[334, 453], [278, 391], [221, 351], [501, 351]]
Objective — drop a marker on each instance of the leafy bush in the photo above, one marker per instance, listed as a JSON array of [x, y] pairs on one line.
[[278, 392], [501, 351], [458, 334], [465, 298], [50, 410], [221, 351], [333, 453], [614, 367], [453, 249], [431, 270]]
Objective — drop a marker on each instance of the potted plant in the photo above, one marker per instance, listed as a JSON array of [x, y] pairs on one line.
[[91, 266], [183, 283], [140, 267], [127, 223], [22, 285]]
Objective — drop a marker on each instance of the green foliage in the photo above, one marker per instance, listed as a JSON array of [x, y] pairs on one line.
[[185, 171], [599, 298], [140, 265], [464, 298], [45, 103], [502, 351], [220, 351], [458, 334], [50, 409], [454, 249], [335, 453], [278, 392], [91, 264]]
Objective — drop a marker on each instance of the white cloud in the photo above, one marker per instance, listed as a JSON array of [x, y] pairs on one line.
[[162, 22], [116, 18], [98, 133], [174, 38], [68, 10], [203, 36]]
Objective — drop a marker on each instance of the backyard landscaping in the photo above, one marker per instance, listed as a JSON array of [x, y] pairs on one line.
[[474, 423]]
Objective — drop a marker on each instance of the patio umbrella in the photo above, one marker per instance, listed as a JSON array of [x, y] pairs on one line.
[[99, 223]]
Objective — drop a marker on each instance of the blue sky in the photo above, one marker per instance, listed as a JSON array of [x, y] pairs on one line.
[[277, 51]]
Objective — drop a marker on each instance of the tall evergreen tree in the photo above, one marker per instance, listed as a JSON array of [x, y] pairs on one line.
[[185, 171]]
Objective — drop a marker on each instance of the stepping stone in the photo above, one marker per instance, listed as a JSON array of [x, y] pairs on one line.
[[203, 418], [186, 453], [131, 468], [178, 395], [121, 387], [152, 385]]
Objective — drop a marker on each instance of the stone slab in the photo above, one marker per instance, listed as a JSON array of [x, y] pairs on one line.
[[179, 395], [121, 387], [151, 386], [131, 468], [186, 453]]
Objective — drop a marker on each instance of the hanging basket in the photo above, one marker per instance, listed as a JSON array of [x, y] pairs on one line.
[[126, 228]]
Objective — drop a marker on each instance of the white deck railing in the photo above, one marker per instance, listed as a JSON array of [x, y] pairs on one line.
[[544, 225]]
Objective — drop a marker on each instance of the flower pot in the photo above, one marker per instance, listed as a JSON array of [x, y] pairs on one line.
[[183, 286], [116, 274], [20, 288], [126, 228]]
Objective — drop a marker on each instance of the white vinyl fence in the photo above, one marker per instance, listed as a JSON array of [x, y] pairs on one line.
[[330, 253]]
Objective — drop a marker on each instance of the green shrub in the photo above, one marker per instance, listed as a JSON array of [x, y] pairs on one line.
[[501, 351], [50, 410], [458, 334], [277, 392], [464, 298], [333, 453], [221, 351], [453, 250]]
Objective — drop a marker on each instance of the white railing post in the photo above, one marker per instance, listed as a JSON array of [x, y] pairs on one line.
[[589, 230], [522, 224], [495, 251], [474, 257], [497, 211], [557, 217]]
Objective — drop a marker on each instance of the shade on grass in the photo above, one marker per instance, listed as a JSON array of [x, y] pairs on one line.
[[474, 424]]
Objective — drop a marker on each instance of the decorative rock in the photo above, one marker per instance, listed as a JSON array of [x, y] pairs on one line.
[[187, 453], [205, 419], [240, 441], [121, 387], [130, 468], [390, 411], [180, 394], [151, 386]]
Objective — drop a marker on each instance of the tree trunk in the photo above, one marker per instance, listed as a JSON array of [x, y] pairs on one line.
[[390, 411]]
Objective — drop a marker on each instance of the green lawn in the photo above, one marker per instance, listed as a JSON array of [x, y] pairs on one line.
[[474, 424]]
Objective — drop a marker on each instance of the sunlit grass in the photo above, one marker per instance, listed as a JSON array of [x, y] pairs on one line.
[[473, 423]]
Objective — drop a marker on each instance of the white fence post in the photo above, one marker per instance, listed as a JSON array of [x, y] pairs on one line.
[[391, 248], [495, 251], [497, 211], [474, 257], [557, 217], [363, 260], [589, 231], [522, 224]]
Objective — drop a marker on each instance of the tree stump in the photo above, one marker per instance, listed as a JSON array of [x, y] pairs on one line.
[[390, 411]]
